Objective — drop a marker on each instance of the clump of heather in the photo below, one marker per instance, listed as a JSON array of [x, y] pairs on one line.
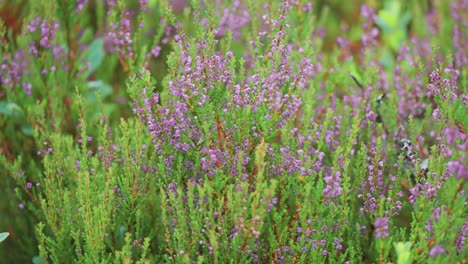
[[233, 131]]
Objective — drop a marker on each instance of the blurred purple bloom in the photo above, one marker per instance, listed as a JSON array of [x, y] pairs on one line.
[[369, 37], [459, 9], [155, 52], [111, 3], [381, 227], [120, 37], [33, 24], [143, 4], [333, 187], [436, 114], [458, 169], [27, 88], [233, 20], [80, 4], [48, 31], [12, 70], [437, 250], [172, 187], [461, 239], [178, 5]]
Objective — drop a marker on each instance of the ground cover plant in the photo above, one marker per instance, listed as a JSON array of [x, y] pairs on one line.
[[221, 131]]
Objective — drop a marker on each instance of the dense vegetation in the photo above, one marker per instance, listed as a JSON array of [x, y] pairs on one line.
[[235, 131]]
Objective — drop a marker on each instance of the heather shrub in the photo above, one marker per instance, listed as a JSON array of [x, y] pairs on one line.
[[234, 131]]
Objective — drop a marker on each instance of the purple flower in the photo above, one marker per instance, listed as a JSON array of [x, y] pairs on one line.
[[77, 165], [80, 4], [437, 250], [446, 151], [143, 4], [460, 39], [155, 52], [48, 30], [27, 88], [33, 24], [410, 89], [110, 4], [369, 38], [458, 169], [436, 114], [370, 115], [172, 187], [233, 20], [333, 187], [460, 241], [381, 227], [12, 70], [274, 200], [178, 5], [120, 37]]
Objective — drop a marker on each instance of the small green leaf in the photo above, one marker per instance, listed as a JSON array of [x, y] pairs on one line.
[[388, 59], [122, 231], [386, 22], [99, 87], [27, 129], [11, 109], [3, 236], [95, 56], [37, 260], [404, 20], [393, 22], [403, 250]]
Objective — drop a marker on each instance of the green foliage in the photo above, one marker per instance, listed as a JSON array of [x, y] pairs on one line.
[[88, 174], [393, 23]]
